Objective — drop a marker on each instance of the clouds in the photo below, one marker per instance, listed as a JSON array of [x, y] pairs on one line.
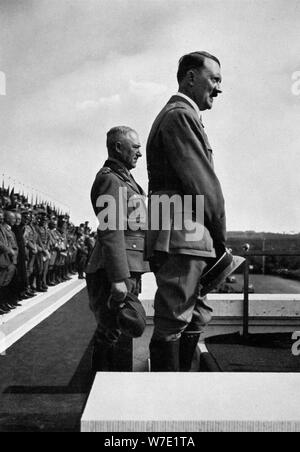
[[75, 68], [44, 39], [146, 91], [114, 100]]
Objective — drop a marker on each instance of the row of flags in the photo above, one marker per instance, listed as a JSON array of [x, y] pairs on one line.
[[15, 196]]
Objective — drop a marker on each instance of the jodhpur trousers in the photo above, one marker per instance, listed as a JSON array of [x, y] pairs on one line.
[[178, 305]]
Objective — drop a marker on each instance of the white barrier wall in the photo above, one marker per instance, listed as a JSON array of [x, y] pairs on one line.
[[176, 402]]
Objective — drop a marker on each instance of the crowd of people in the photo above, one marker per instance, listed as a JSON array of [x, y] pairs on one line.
[[39, 248]]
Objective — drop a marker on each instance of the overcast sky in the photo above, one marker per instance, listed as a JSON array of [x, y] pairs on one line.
[[75, 68]]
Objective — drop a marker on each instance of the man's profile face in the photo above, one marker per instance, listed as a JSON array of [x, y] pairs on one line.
[[129, 149], [25, 218], [11, 219], [18, 219], [43, 220], [207, 84], [53, 223]]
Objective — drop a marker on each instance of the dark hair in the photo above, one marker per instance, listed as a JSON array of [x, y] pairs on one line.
[[194, 60]]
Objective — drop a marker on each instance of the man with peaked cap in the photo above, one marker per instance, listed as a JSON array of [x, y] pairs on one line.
[[7, 268], [82, 255], [117, 262], [31, 238], [43, 255], [29, 247], [180, 163], [22, 282], [62, 262], [12, 287], [54, 251]]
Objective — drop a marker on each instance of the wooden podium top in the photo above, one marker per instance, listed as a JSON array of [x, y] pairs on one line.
[[193, 402]]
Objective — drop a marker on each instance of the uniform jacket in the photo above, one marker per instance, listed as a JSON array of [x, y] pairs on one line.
[[119, 252], [12, 242], [5, 248], [7, 267], [179, 160], [31, 238], [43, 237], [53, 240]]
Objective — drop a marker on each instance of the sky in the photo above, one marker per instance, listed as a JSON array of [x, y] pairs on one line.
[[75, 68]]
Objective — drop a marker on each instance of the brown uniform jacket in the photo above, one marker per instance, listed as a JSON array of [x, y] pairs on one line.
[[12, 242], [179, 160], [119, 252], [5, 259]]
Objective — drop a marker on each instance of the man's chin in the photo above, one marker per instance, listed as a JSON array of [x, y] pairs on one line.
[[207, 106]]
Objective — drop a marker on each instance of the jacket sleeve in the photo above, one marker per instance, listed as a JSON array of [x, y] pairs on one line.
[[3, 248], [111, 239], [28, 242], [185, 147]]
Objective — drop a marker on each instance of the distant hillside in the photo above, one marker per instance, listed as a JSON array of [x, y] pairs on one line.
[[267, 241], [261, 235]]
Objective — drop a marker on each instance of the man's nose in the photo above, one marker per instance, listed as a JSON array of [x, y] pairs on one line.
[[217, 91], [218, 88]]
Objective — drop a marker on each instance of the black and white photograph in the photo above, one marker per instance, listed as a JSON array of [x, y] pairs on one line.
[[149, 218]]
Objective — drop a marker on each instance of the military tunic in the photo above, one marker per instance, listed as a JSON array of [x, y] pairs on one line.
[[118, 254]]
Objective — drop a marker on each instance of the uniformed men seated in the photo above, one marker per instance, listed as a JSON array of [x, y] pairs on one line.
[[39, 248]]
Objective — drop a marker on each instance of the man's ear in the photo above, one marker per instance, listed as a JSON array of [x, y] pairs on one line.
[[190, 76], [119, 147]]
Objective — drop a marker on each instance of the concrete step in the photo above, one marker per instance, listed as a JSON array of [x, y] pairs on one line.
[[14, 325], [178, 402]]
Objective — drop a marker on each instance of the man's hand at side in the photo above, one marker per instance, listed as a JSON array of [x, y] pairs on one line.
[[119, 291]]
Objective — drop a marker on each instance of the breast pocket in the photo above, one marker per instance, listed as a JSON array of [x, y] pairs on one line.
[[134, 243]]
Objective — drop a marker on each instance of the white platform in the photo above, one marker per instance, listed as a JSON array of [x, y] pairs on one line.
[[178, 402], [14, 325]]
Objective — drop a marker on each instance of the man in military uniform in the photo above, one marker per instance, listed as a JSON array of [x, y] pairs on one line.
[[22, 282], [82, 255], [62, 258], [43, 255], [180, 162], [12, 288], [117, 262], [72, 243], [53, 277], [7, 268], [31, 238]]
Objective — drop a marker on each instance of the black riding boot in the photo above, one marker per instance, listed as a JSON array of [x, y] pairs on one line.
[[164, 356], [103, 357], [31, 283], [50, 278], [57, 274], [188, 344]]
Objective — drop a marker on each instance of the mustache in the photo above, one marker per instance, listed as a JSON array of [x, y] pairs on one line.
[[215, 93]]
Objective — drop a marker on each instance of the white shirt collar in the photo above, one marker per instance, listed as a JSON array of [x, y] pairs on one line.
[[193, 104]]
